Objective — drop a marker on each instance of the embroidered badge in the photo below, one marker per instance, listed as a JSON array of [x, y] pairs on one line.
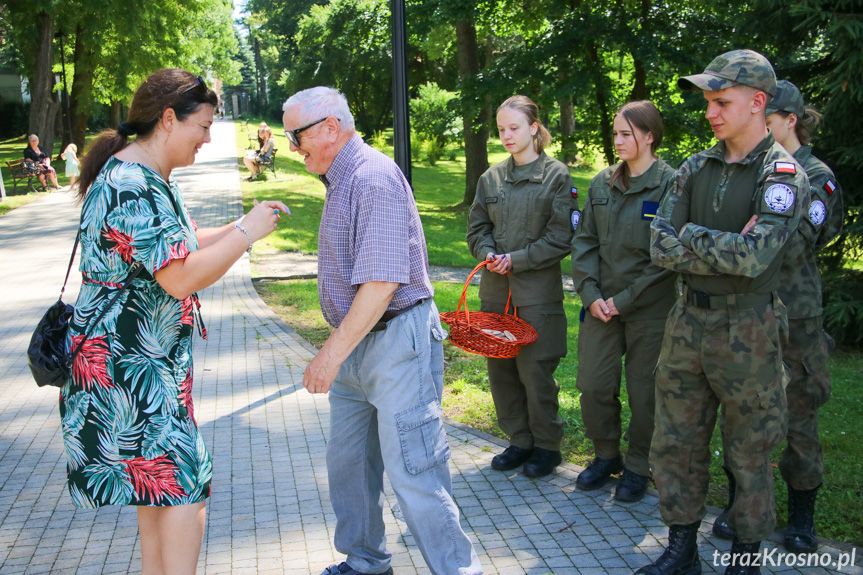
[[785, 168], [830, 187], [817, 212], [648, 210], [575, 193], [575, 217], [779, 198]]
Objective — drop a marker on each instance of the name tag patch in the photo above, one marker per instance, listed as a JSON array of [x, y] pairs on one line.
[[817, 212], [575, 217], [785, 168], [779, 197], [648, 210], [491, 200]]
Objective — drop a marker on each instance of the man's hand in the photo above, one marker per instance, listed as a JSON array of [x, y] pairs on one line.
[[749, 225], [321, 373], [599, 310]]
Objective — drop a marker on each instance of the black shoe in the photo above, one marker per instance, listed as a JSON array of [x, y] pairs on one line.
[[541, 463], [743, 556], [598, 472], [800, 534], [681, 555], [721, 528], [511, 458], [345, 569], [631, 487]]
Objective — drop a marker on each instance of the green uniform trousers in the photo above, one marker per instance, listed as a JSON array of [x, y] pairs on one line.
[[600, 347], [523, 388], [728, 357], [805, 354]]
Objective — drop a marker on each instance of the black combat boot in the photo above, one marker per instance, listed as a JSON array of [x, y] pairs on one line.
[[720, 526], [681, 555], [745, 559], [800, 534]]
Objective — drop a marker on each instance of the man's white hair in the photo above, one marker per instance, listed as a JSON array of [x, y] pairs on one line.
[[322, 102]]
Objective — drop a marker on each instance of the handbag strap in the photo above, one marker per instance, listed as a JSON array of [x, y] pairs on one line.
[[71, 259], [136, 269]]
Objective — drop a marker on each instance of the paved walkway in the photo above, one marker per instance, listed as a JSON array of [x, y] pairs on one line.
[[270, 511]]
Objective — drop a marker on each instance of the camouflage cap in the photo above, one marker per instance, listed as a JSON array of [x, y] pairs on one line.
[[745, 67], [786, 99]]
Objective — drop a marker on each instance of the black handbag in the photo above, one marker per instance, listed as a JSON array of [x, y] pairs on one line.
[[49, 360]]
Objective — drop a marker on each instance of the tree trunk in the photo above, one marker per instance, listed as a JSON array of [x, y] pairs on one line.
[[599, 83], [474, 114], [43, 106], [114, 116], [82, 86], [639, 88]]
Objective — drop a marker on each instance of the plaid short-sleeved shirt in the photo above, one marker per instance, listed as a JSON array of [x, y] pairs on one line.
[[370, 231]]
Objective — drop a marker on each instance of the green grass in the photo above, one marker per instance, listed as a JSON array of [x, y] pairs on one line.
[[467, 399]]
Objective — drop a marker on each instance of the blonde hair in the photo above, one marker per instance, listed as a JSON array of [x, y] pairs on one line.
[[530, 110]]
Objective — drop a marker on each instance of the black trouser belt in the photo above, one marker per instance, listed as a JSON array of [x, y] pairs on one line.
[[392, 314], [740, 301]]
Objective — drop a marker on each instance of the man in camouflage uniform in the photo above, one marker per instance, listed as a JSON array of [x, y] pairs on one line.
[[806, 351], [722, 339]]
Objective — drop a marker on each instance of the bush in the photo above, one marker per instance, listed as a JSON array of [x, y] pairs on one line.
[[416, 147], [14, 118], [434, 150], [379, 141], [433, 117], [843, 311]]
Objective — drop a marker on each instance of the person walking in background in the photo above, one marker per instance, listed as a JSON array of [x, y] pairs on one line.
[[127, 416], [723, 222], [383, 362], [625, 298], [38, 163], [802, 464], [522, 220], [70, 155]]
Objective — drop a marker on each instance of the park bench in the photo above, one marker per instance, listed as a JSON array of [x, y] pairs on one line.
[[16, 168], [271, 165]]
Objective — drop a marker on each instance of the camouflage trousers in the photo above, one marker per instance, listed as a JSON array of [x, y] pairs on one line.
[[710, 358], [600, 347], [523, 388], [805, 354]]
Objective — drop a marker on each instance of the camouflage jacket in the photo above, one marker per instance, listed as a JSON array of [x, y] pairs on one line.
[[716, 199], [528, 218], [800, 288], [611, 247]]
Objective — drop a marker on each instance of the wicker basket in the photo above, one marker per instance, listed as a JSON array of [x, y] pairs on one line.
[[470, 331]]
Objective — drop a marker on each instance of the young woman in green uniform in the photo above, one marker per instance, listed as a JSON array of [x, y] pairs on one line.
[[521, 221], [626, 300]]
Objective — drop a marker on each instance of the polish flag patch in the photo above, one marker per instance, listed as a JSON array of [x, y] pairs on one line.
[[830, 187], [574, 193], [785, 168]]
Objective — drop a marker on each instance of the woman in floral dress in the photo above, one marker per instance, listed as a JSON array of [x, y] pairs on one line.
[[127, 417]]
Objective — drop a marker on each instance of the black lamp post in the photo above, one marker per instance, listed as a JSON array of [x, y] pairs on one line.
[[67, 120], [401, 121]]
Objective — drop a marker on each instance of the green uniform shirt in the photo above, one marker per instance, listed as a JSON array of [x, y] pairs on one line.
[[800, 288], [611, 247], [527, 217], [717, 199]]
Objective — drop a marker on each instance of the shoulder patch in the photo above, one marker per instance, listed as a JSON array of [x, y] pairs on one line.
[[830, 187], [779, 198], [574, 193], [575, 217], [784, 168], [817, 212]]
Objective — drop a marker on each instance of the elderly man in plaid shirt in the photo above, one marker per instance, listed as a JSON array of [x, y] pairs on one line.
[[383, 363]]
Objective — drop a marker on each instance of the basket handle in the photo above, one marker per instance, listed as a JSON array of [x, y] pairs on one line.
[[463, 300]]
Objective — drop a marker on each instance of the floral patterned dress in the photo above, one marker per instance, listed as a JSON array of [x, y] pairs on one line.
[[127, 417]]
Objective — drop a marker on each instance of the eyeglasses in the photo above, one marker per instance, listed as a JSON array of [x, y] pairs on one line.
[[198, 82], [293, 136]]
